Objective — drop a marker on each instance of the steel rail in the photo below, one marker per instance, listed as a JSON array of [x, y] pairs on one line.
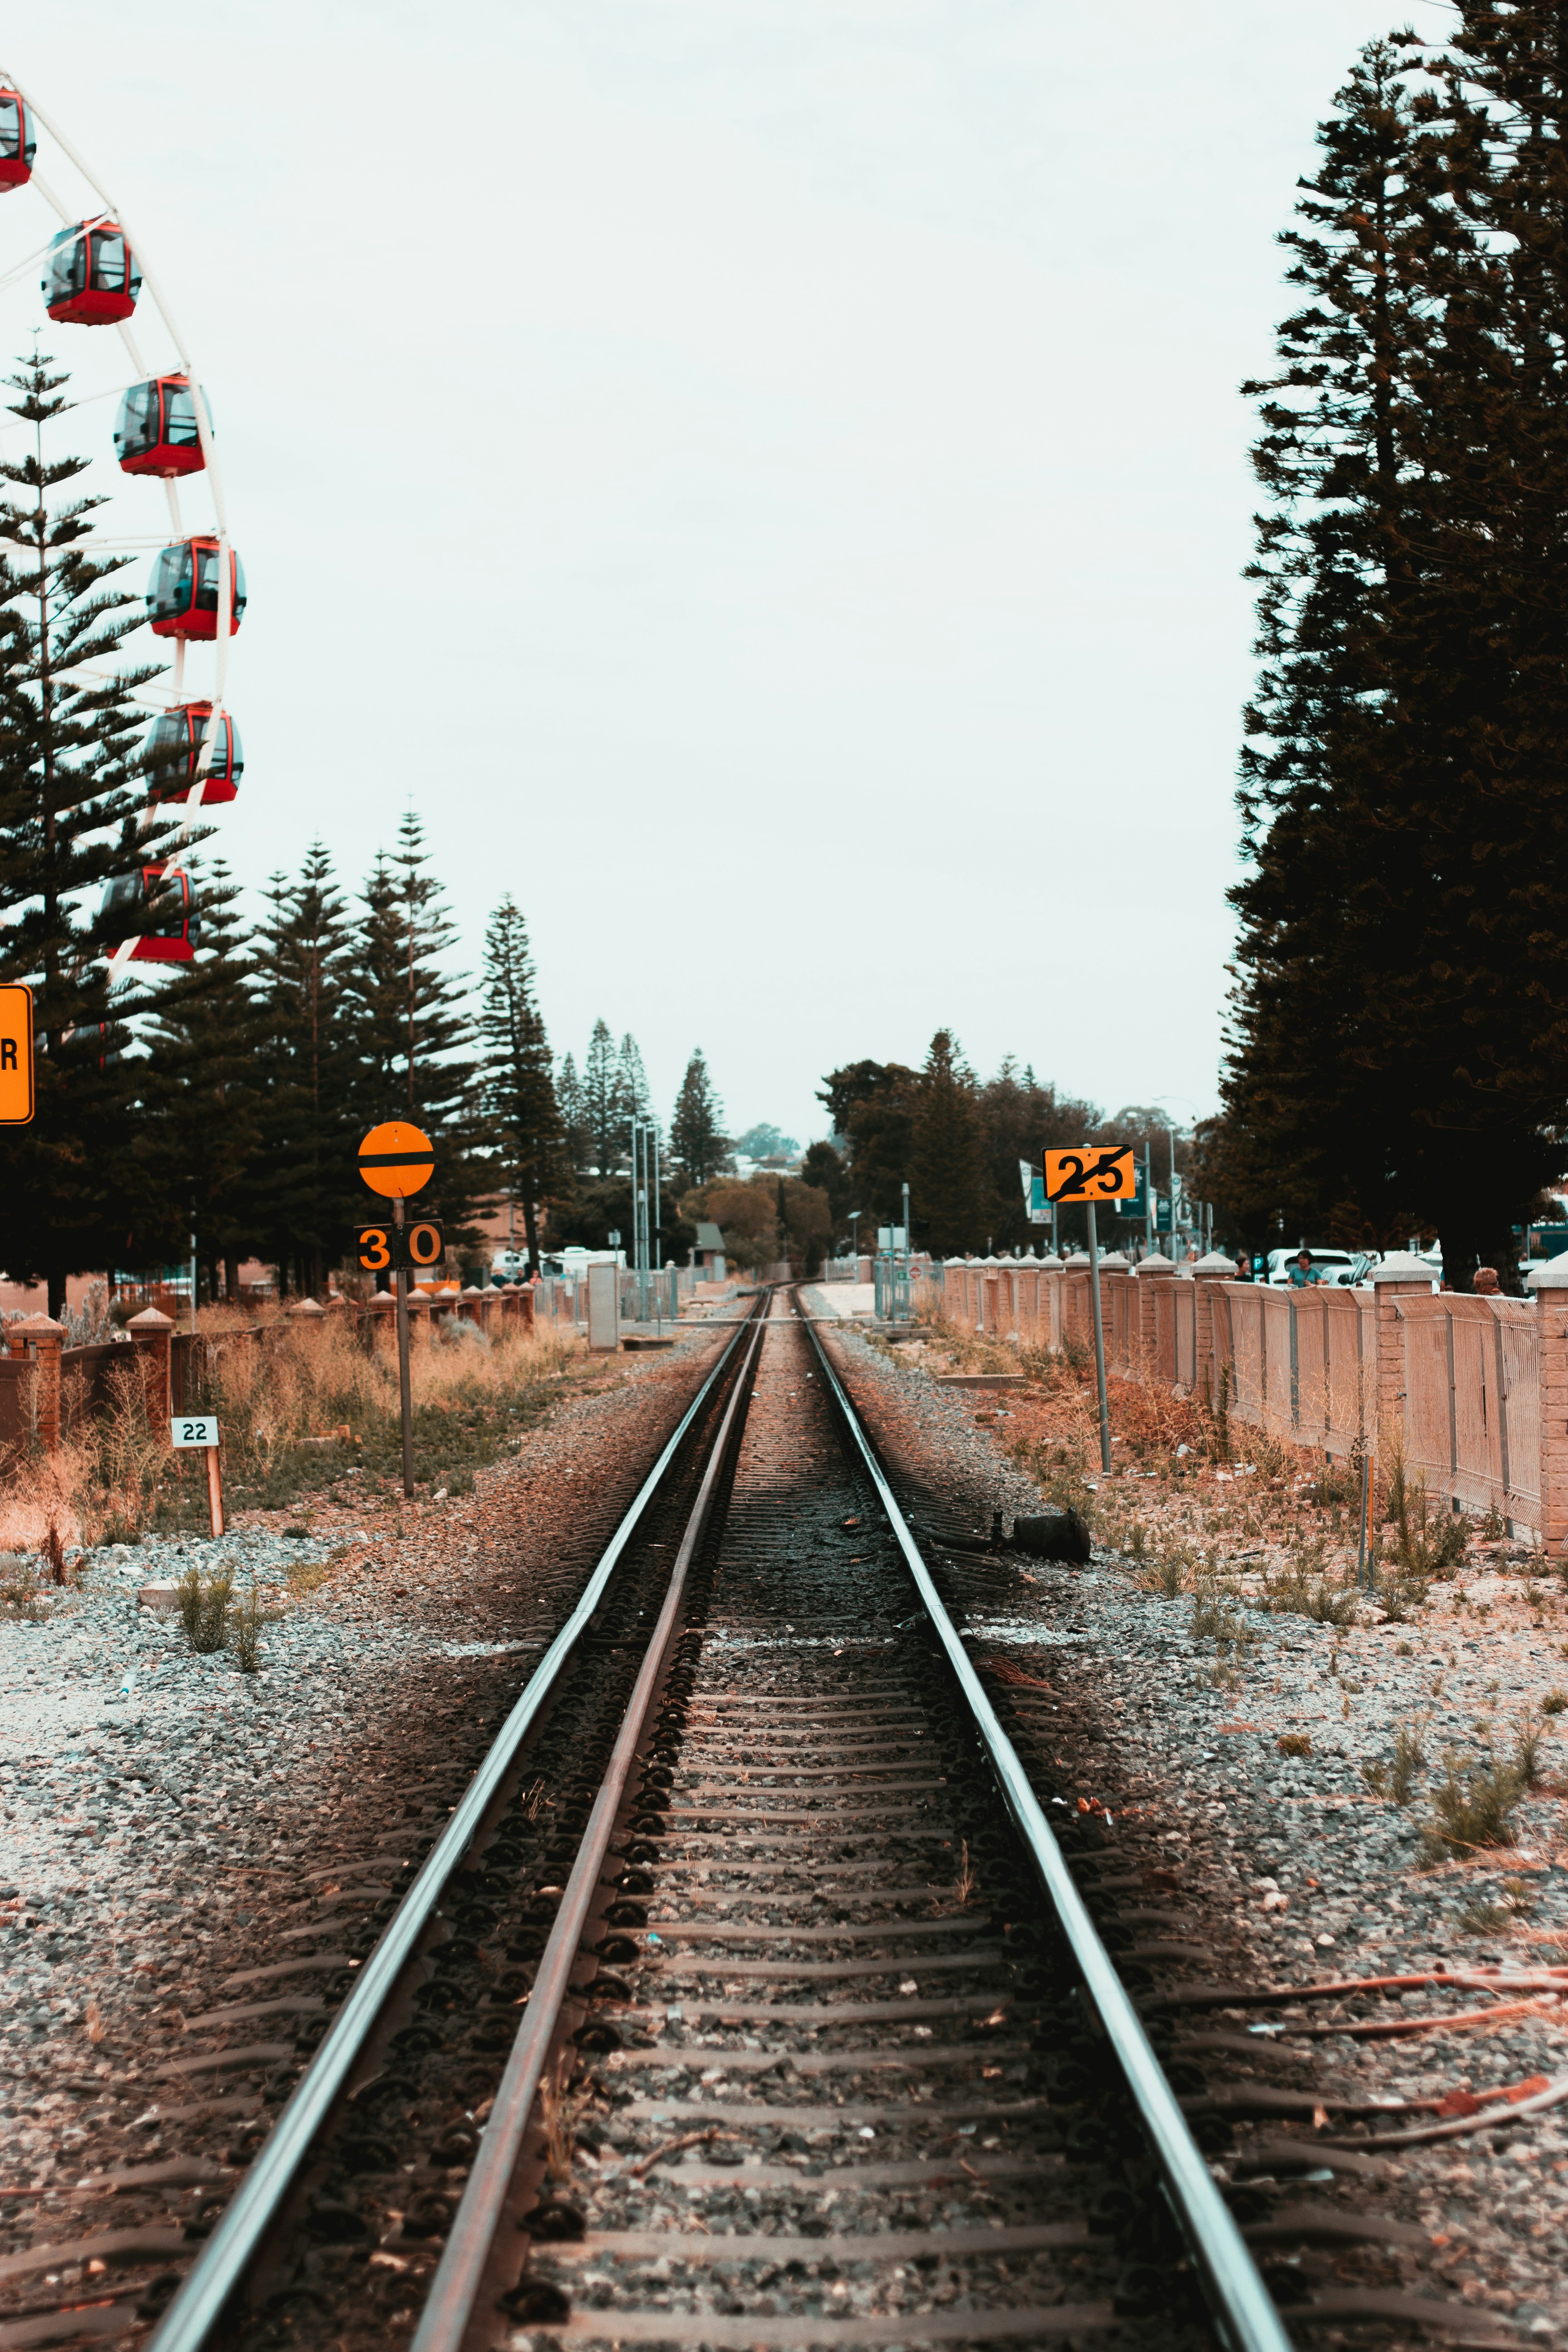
[[196, 2310], [1239, 2303], [470, 2251]]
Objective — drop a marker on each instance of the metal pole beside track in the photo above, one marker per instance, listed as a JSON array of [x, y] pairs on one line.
[[405, 1393], [1099, 1343]]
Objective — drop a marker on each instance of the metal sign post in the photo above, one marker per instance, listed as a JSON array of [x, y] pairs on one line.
[[396, 1160], [1092, 1173], [1099, 1343]]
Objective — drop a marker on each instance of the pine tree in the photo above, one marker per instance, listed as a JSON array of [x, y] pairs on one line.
[[519, 1093], [945, 1157], [574, 1115], [413, 1027], [307, 1189], [696, 1136], [70, 790], [601, 1099], [1475, 995], [200, 1088], [632, 1101], [1317, 1128]]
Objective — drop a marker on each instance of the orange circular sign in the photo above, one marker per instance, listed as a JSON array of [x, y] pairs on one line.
[[395, 1160]]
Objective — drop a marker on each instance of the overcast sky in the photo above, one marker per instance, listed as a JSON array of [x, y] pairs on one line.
[[763, 478]]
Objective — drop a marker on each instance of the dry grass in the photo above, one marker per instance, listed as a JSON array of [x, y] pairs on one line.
[[474, 1395], [472, 1392]]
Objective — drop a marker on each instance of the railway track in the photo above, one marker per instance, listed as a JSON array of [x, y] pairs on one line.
[[780, 1961], [749, 1998]]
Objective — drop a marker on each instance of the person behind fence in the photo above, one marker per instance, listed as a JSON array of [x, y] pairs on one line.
[[1303, 1271], [1485, 1284]]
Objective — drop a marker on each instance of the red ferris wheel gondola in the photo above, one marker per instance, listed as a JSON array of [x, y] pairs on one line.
[[166, 907], [182, 598], [17, 144], [155, 431], [93, 278], [173, 752]]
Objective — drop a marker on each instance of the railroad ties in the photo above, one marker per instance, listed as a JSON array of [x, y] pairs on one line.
[[749, 2001]]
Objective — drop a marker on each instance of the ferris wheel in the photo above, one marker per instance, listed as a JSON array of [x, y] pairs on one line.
[[94, 272]]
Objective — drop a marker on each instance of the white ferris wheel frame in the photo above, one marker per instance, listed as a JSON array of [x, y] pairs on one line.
[[196, 793]]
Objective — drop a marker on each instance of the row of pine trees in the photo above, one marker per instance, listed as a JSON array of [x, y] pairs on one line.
[[219, 1103], [1398, 1051], [958, 1142]]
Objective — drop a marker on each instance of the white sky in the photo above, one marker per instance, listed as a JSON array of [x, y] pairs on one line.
[[763, 478]]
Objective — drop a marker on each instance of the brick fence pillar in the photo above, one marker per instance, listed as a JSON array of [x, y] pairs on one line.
[[1145, 1340], [1051, 1301], [43, 1338], [309, 1321], [1550, 1285], [1115, 1290], [382, 1308], [153, 1332], [1077, 1318], [1397, 1276], [1208, 1271]]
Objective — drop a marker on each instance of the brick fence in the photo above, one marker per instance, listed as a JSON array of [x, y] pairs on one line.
[[48, 1389], [1477, 1388]]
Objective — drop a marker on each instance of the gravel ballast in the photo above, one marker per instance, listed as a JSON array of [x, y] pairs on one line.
[[1293, 1871]]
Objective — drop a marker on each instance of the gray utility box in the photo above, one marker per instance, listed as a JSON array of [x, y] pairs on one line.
[[604, 1311]]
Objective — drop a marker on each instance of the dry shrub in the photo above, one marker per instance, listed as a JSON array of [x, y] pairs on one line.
[[41, 1504], [972, 1352]]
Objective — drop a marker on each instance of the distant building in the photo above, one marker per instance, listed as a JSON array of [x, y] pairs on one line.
[[708, 1256]]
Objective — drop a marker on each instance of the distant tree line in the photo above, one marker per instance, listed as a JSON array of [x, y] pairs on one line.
[[957, 1141], [1397, 1059]]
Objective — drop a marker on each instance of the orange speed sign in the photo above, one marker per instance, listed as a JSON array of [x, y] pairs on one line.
[[395, 1160], [1093, 1172], [15, 1055]]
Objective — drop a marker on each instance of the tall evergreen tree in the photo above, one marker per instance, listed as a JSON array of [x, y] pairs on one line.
[[696, 1134], [311, 1062], [203, 1102], [1475, 1000], [413, 1024], [520, 1094], [945, 1156], [71, 790], [1317, 1130], [574, 1115], [632, 1098], [601, 1099]]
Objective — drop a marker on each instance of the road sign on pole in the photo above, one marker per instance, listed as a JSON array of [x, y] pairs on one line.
[[396, 1161], [15, 1055], [1094, 1172]]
